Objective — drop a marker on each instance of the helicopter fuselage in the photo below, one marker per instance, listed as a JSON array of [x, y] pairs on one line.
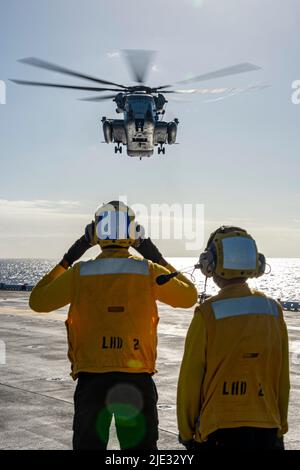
[[141, 129]]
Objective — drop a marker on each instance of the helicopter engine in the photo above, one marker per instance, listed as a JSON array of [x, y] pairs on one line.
[[120, 102], [165, 132], [172, 131], [107, 131], [160, 102]]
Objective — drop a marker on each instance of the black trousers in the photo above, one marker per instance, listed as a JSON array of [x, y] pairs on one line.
[[244, 438], [130, 398]]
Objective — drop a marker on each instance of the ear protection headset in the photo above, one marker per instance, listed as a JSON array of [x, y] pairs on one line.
[[231, 253]]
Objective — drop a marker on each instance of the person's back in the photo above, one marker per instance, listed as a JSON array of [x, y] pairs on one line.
[[112, 329], [114, 309], [236, 359], [107, 314], [245, 338]]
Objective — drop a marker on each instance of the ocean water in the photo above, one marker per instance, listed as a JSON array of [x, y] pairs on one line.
[[283, 281]]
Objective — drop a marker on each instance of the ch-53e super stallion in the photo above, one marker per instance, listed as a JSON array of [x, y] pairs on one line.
[[142, 127]]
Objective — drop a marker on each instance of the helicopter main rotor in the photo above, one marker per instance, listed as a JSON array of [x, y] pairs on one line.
[[138, 62]]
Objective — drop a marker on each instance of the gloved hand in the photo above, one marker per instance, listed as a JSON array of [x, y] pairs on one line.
[[189, 445], [89, 233], [75, 252], [79, 247], [148, 250]]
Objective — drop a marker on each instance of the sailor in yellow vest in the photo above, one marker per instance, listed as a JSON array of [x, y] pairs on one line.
[[112, 327], [233, 388]]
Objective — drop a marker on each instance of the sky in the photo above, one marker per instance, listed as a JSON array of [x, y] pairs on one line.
[[237, 157]]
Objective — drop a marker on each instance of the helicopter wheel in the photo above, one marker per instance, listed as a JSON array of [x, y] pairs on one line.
[[161, 149], [118, 148]]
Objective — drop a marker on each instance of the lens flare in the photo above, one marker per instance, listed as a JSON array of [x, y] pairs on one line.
[[125, 402], [130, 424], [135, 364], [103, 424], [198, 3], [126, 394]]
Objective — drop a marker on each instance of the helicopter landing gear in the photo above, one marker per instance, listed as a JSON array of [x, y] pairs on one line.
[[161, 149], [118, 148]]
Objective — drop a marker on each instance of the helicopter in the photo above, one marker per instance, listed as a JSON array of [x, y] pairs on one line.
[[143, 107]]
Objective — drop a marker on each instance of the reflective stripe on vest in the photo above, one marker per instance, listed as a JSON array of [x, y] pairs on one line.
[[252, 305], [114, 266]]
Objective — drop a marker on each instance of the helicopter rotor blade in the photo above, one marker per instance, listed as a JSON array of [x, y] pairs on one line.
[[58, 85], [237, 91], [205, 91], [161, 87], [232, 70], [98, 98], [42, 64], [138, 62], [178, 99], [200, 91]]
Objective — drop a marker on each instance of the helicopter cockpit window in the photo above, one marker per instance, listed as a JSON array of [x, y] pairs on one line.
[[140, 107]]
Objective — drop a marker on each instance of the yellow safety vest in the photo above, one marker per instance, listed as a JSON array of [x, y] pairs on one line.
[[112, 320], [235, 369]]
